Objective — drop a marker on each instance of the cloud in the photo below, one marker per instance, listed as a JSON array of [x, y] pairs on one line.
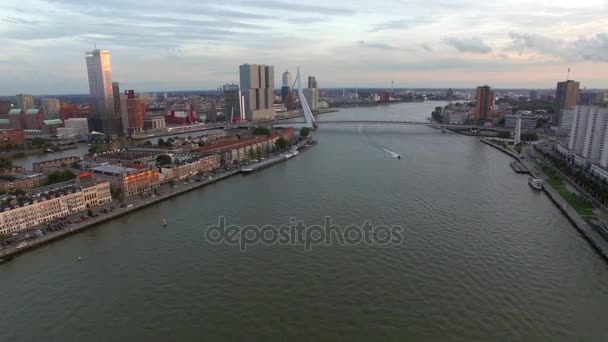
[[426, 47], [400, 24], [593, 49], [383, 46], [472, 45]]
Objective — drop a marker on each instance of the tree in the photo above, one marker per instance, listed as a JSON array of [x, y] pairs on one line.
[[147, 143], [161, 142], [504, 135], [76, 165], [59, 177], [90, 213], [261, 130], [250, 154], [437, 114], [281, 144], [258, 152], [171, 182], [5, 163], [163, 159], [305, 132]]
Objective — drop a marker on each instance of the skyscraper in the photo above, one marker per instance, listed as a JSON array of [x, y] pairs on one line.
[[566, 97], [312, 82], [51, 108], [104, 118], [286, 88], [117, 109], [136, 110], [485, 102], [25, 101], [257, 87], [233, 103]]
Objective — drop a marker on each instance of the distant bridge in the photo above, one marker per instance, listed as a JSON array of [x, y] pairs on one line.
[[390, 122]]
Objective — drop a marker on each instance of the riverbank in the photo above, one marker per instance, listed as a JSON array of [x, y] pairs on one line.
[[133, 203], [594, 238]]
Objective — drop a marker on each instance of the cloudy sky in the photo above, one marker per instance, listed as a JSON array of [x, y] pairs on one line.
[[198, 44]]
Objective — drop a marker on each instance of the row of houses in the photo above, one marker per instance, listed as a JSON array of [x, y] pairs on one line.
[[17, 215]]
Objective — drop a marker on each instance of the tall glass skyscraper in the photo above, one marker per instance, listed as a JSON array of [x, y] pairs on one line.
[[102, 98]]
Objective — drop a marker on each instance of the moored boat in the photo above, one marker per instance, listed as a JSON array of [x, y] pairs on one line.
[[535, 183]]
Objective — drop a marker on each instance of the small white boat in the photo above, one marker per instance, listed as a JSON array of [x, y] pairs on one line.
[[535, 183], [21, 245], [164, 224]]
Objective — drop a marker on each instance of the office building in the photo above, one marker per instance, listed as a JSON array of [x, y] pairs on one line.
[[528, 122], [104, 119], [449, 94], [79, 125], [233, 103], [485, 102], [566, 97], [118, 120], [124, 112], [534, 95], [286, 88], [312, 82], [136, 110], [257, 87], [25, 101], [50, 108]]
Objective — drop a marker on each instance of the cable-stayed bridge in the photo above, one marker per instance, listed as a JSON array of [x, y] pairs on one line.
[[337, 98]]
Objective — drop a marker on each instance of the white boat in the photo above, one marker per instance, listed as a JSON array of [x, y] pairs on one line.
[[294, 151], [21, 245], [535, 183], [164, 223]]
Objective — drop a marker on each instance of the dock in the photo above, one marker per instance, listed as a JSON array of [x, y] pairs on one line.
[[519, 167]]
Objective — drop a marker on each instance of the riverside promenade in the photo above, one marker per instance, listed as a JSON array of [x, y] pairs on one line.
[[589, 233], [132, 203]]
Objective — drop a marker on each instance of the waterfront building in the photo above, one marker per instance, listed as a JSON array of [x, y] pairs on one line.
[[25, 101], [286, 88], [181, 117], [54, 163], [5, 107], [50, 108], [188, 169], [16, 119], [51, 126], [588, 134], [140, 181], [566, 97], [154, 123], [136, 110], [528, 122], [257, 87], [485, 102], [104, 118], [33, 119], [11, 137], [80, 125], [47, 206]]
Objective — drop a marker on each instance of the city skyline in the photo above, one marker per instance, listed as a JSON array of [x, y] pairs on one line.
[[433, 44]]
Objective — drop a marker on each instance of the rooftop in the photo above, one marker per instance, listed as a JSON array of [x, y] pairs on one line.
[[112, 170]]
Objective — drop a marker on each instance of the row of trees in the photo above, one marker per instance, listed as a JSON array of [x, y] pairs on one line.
[[595, 187]]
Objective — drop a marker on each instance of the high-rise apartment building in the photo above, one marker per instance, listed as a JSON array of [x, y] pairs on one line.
[[104, 118], [25, 101], [588, 133], [485, 102], [50, 108], [257, 87], [566, 97]]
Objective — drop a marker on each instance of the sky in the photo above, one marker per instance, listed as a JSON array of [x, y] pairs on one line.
[[158, 45]]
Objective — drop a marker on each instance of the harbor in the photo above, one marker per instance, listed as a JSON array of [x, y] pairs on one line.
[[112, 210]]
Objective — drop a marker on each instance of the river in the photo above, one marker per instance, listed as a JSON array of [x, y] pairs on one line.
[[483, 256]]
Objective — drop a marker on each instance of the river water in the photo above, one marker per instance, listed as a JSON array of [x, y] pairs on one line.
[[483, 257]]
